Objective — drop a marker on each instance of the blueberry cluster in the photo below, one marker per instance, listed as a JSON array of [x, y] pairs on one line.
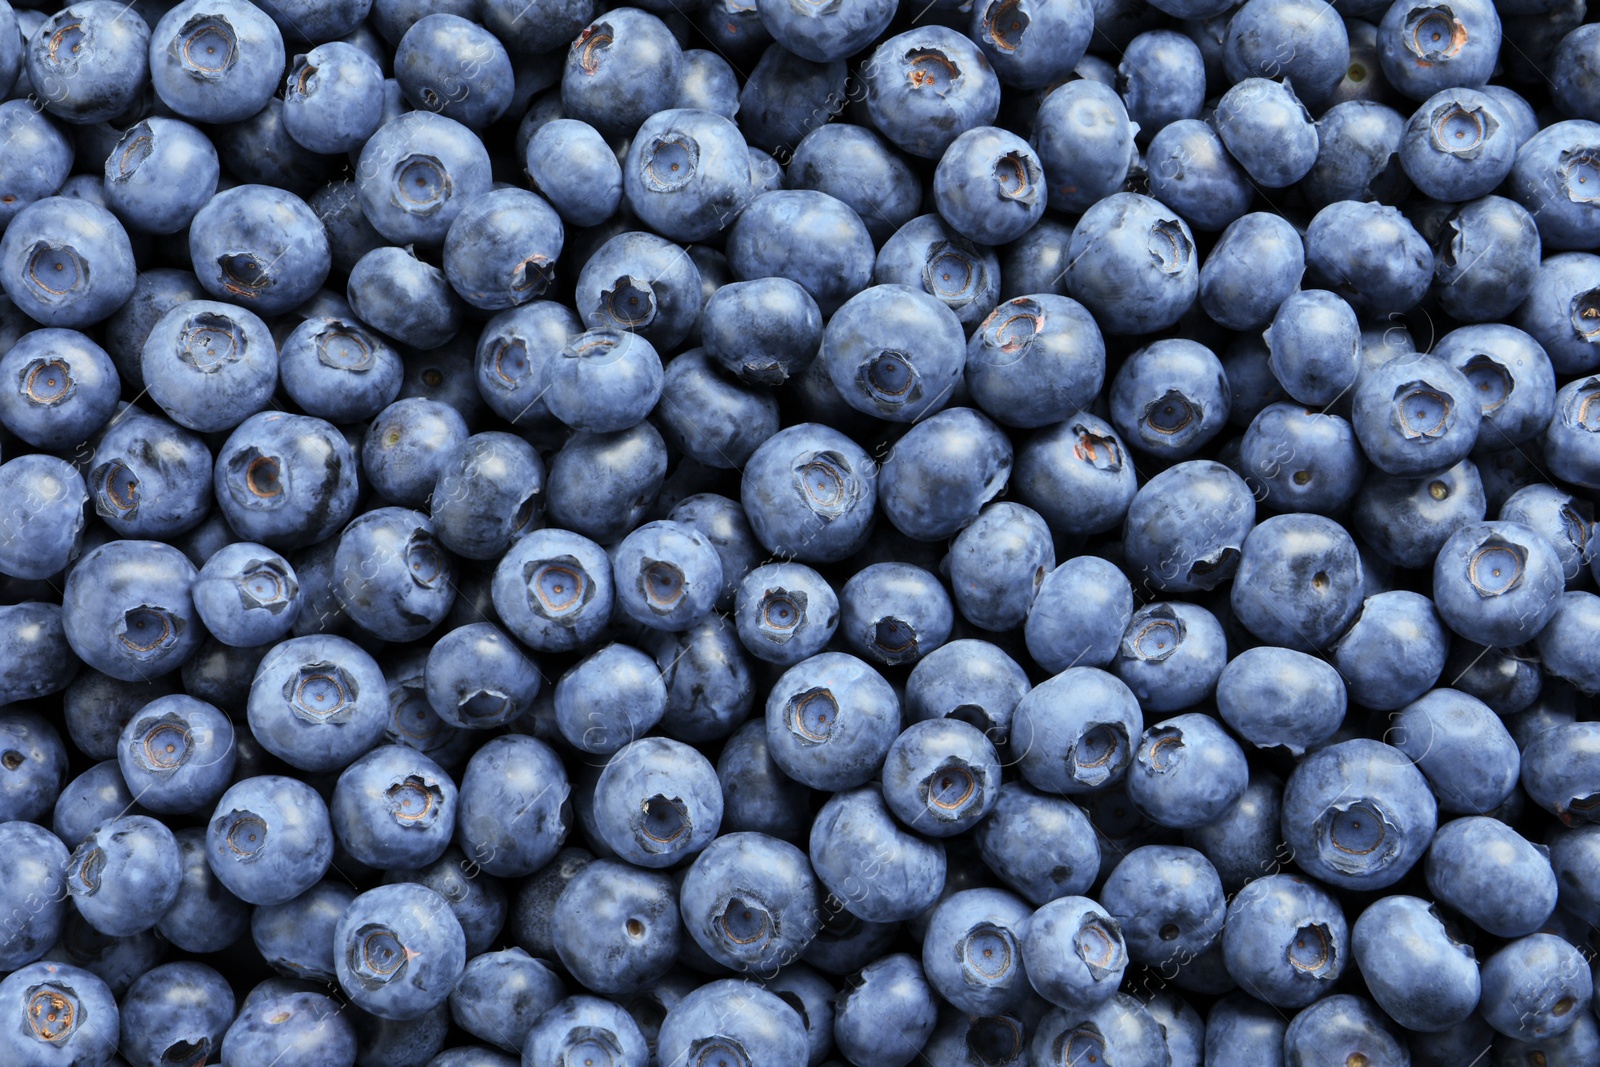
[[799, 533]]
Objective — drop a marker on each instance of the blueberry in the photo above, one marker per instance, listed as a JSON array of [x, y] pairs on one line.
[[269, 839], [809, 492], [1285, 940], [66, 262], [1035, 360], [860, 855], [575, 170], [1476, 288], [43, 157], [60, 1014], [1424, 49], [733, 1020], [938, 477], [1358, 814], [1254, 266], [657, 801], [281, 1028], [618, 68], [1268, 130], [489, 494], [1369, 254], [1557, 770], [88, 63], [501, 994], [1074, 952], [785, 97], [501, 249], [1169, 398], [1295, 40], [1074, 733], [34, 886], [1186, 527], [807, 236], [1497, 583], [641, 283], [616, 927], [687, 175], [583, 1028], [1571, 442], [259, 247], [856, 166], [128, 611], [1415, 415], [405, 297], [125, 875], [177, 754], [391, 575], [45, 517], [1079, 615], [751, 902], [296, 937], [1415, 966], [891, 994], [989, 186], [173, 1011], [830, 721], [1343, 1025], [1492, 875], [333, 98], [1535, 987], [1119, 1029], [454, 67], [927, 86], [160, 174], [1085, 142], [416, 173], [478, 900], [398, 950], [318, 702], [1188, 168], [1186, 771], [1240, 1027]]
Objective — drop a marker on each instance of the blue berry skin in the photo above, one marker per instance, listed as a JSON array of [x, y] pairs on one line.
[[1186, 527], [65, 390], [823, 35], [756, 795], [1265, 127], [91, 798], [408, 445], [1041, 846], [1512, 378], [709, 84], [530, 925], [259, 247], [1032, 45], [997, 564], [1406, 520], [736, 1021], [478, 678], [1562, 519], [1186, 771], [1424, 50], [339, 370], [811, 995], [1415, 415], [1418, 971], [687, 175], [830, 721], [1492, 876], [941, 777], [762, 331], [1085, 142], [1573, 855], [887, 1013], [454, 67], [618, 69], [1535, 987], [970, 681], [511, 808], [160, 174], [1116, 1030], [1168, 901], [101, 72], [1299, 582], [927, 86], [644, 284], [501, 994], [290, 1028], [928, 255], [1300, 41], [1497, 583], [1075, 732], [296, 937], [1255, 265], [333, 98], [785, 612], [1277, 697], [125, 875], [553, 590], [514, 352], [416, 173], [1315, 343], [1132, 264], [1189, 169], [1074, 953], [399, 951], [1494, 287], [177, 755], [810, 493], [810, 238], [1571, 442], [391, 575], [1579, 1043], [404, 297], [576, 171], [479, 902], [894, 352], [1557, 311], [210, 365], [861, 856], [488, 494], [940, 474], [1169, 398], [894, 613], [972, 951], [269, 839], [616, 927], [1358, 814], [1563, 643], [1300, 459], [43, 156], [708, 679], [657, 802], [83, 252], [501, 249], [149, 477], [1459, 145], [856, 166], [604, 380], [1035, 264], [1171, 655], [580, 1028], [1035, 360], [751, 902], [155, 292], [173, 1011], [33, 890], [1079, 615], [1343, 1026], [784, 97], [127, 609], [1463, 749], [667, 575], [989, 186], [1246, 841], [59, 1016], [1285, 940], [711, 417], [40, 658], [45, 516], [1240, 1028], [318, 702], [1371, 255], [1162, 78], [1572, 79], [613, 696], [285, 481], [1544, 182], [1558, 770], [393, 809]]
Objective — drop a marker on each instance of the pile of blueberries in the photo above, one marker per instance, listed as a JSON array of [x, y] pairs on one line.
[[784, 533]]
